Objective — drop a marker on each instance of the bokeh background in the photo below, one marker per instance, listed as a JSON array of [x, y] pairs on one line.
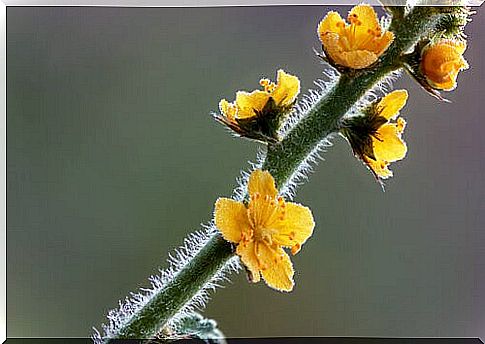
[[113, 158]]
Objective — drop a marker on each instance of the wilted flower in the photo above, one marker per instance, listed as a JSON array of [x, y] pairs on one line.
[[262, 227]]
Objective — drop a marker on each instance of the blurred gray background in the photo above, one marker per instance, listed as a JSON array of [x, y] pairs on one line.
[[113, 158]]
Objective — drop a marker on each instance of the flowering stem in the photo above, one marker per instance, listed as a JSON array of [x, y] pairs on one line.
[[282, 160]]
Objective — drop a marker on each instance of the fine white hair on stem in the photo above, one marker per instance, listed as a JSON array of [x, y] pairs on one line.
[[240, 192], [379, 90], [127, 308], [385, 22], [300, 175], [309, 99], [118, 318]]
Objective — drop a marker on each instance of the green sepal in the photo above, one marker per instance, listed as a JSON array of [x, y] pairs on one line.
[[263, 126]]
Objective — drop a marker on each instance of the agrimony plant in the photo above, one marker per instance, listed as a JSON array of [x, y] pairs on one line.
[[253, 228]]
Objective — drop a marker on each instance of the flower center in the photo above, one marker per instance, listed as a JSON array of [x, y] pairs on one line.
[[358, 41], [264, 234], [263, 211]]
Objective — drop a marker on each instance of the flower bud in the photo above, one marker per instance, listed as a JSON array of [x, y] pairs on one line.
[[441, 62]]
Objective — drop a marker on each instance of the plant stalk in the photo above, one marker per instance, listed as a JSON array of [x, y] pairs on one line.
[[282, 160]]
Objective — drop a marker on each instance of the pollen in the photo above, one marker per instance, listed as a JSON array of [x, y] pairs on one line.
[[355, 45], [400, 124], [261, 229], [264, 82]]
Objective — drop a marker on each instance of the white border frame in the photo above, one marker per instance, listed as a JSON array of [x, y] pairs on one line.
[[218, 3], [113, 3], [3, 155]]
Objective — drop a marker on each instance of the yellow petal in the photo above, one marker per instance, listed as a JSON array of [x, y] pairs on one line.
[[231, 218], [366, 26], [441, 62], [380, 44], [459, 46], [332, 22], [366, 15], [392, 103], [389, 146], [277, 269], [296, 227], [248, 103], [379, 167], [227, 109], [263, 183], [332, 46], [356, 59], [247, 253], [287, 88], [445, 84]]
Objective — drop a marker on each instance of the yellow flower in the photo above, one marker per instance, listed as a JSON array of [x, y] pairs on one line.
[[259, 114], [358, 44], [441, 62], [261, 229], [376, 137]]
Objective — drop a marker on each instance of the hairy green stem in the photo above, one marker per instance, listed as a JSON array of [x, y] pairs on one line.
[[282, 160], [323, 119], [208, 262]]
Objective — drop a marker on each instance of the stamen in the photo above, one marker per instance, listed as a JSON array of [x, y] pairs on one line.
[[400, 125], [271, 210], [295, 249], [264, 82], [267, 85]]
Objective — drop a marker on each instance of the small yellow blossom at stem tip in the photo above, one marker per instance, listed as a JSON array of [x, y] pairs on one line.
[[355, 45], [262, 227]]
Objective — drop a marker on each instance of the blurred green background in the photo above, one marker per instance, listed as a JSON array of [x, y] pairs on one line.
[[113, 158]]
